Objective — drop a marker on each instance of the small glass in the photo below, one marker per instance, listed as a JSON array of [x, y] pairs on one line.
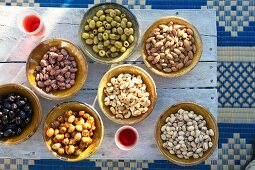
[[126, 137], [31, 23]]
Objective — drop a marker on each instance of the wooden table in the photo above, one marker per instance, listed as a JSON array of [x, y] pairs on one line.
[[198, 86]]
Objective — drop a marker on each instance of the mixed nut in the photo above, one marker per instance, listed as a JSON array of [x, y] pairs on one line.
[[72, 132], [186, 135], [109, 32], [15, 114], [170, 47], [126, 96], [57, 70]]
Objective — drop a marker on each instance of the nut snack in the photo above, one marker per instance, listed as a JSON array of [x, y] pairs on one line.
[[126, 95], [72, 133], [57, 70], [109, 32], [186, 134]]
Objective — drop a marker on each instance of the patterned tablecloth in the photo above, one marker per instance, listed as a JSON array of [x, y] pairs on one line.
[[236, 84]]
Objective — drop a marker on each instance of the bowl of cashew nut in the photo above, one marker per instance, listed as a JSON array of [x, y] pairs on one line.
[[127, 94]]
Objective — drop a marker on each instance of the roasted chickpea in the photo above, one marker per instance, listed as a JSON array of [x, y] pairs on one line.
[[61, 151], [50, 132]]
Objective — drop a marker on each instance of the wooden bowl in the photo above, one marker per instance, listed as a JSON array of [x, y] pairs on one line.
[[198, 44], [37, 114], [114, 72], [34, 60], [88, 48], [75, 106], [199, 110]]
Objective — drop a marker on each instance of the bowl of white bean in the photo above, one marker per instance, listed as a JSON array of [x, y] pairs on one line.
[[186, 134], [127, 94]]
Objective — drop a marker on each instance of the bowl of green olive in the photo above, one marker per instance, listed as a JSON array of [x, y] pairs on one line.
[[109, 33]]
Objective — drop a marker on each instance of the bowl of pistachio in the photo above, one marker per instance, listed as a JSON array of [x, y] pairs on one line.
[[109, 33]]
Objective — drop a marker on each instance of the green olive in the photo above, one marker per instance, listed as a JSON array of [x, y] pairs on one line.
[[99, 13], [109, 19], [102, 18], [92, 24], [123, 49], [107, 31], [86, 28], [95, 32], [91, 35], [120, 30], [117, 11], [124, 20], [95, 48], [114, 30], [123, 15], [113, 55], [118, 25], [99, 24], [113, 23], [131, 39], [117, 37], [129, 24], [117, 19], [126, 31], [107, 43], [101, 29], [95, 18], [112, 42], [102, 53], [108, 53], [123, 24], [118, 44], [95, 40], [100, 46], [113, 13], [108, 26], [100, 36], [89, 41], [88, 20], [126, 44], [104, 23], [123, 37], [131, 30], [112, 36], [107, 11], [85, 35], [105, 36], [113, 49]]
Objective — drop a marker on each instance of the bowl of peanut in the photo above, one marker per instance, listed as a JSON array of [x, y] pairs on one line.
[[186, 133], [56, 69], [73, 131], [172, 47], [127, 94]]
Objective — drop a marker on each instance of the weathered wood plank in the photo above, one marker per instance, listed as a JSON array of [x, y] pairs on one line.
[[64, 23], [203, 75], [34, 148]]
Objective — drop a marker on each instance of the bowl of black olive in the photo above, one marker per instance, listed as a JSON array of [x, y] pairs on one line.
[[20, 113]]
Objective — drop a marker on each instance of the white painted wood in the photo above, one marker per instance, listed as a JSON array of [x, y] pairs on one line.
[[64, 23], [34, 148], [203, 75]]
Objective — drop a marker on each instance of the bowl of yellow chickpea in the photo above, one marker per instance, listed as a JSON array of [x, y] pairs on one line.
[[73, 131], [109, 33]]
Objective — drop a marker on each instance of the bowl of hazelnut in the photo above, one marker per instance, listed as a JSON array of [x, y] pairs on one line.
[[73, 131], [172, 47], [127, 94], [20, 113], [56, 69]]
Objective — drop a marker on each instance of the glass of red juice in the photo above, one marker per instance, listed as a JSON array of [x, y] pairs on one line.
[[126, 137], [31, 23]]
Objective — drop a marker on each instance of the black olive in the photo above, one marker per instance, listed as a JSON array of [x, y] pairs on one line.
[[14, 106], [18, 131], [8, 133], [12, 114], [22, 114], [18, 97], [18, 121], [11, 126], [27, 108], [21, 103], [5, 111], [27, 120], [29, 112], [24, 99], [11, 97], [1, 114], [5, 120], [7, 105], [1, 134]]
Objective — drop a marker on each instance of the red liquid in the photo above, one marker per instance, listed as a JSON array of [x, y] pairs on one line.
[[31, 23], [127, 137]]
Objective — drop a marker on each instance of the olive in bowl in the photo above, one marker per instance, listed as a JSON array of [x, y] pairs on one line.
[[56, 69], [20, 113]]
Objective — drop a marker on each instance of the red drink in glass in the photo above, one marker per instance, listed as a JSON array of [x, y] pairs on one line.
[[126, 137]]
